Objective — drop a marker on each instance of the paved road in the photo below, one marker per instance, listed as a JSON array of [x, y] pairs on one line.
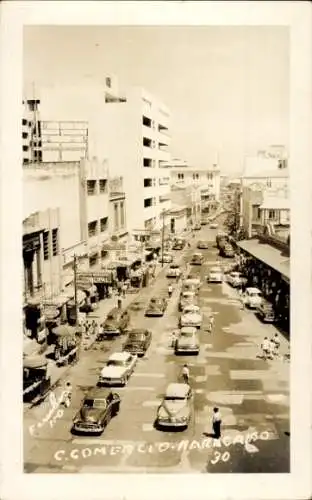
[[253, 396]]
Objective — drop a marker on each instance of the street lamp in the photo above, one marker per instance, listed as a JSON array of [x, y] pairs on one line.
[[163, 214]]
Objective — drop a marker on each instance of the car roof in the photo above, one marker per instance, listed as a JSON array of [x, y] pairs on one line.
[[98, 393], [176, 389], [119, 356], [188, 329], [253, 289], [138, 330], [188, 293], [192, 306]]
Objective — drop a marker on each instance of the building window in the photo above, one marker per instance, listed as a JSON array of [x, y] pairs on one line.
[[197, 176], [108, 82], [46, 253], [116, 216], [148, 182], [147, 142], [55, 242], [103, 184], [25, 135], [91, 187], [272, 214], [103, 224], [25, 147], [24, 121], [122, 214], [147, 122], [92, 228], [148, 202], [258, 213], [147, 162]]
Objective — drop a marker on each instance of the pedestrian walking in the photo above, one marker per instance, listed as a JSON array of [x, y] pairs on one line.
[[277, 343], [185, 374], [272, 349], [211, 324], [170, 290], [124, 289], [119, 302], [67, 394], [265, 346], [216, 422], [110, 291]]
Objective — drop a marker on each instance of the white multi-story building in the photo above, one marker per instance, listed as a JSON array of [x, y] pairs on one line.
[[207, 180], [137, 141]]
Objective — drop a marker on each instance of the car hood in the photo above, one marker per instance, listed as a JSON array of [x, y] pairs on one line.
[[89, 415], [186, 341], [172, 409], [134, 345], [191, 317], [113, 371], [110, 325]]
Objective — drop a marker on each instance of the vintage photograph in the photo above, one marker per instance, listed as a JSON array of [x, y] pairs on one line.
[[156, 249]]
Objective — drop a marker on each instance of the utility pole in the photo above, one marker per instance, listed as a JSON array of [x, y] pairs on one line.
[[162, 238], [76, 291]]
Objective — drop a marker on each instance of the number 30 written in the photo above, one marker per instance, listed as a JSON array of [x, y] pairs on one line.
[[220, 456]]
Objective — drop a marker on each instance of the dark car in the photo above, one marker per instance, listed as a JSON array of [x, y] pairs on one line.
[[138, 341], [98, 407], [226, 250], [202, 245], [197, 259], [116, 322], [221, 239], [156, 307], [266, 312]]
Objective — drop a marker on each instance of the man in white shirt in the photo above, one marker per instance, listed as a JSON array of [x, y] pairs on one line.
[[266, 348], [185, 374]]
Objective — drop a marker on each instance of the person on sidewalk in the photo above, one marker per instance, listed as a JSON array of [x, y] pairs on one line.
[[211, 324], [124, 289], [185, 374], [275, 339], [216, 423], [170, 290], [110, 291], [67, 394], [272, 348], [119, 302]]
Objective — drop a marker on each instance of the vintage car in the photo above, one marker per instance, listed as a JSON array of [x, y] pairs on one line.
[[156, 307], [118, 369], [138, 341], [221, 238], [187, 341], [213, 225], [192, 280], [226, 250], [174, 271], [115, 323], [252, 298], [98, 407], [191, 316], [179, 244], [204, 221], [203, 245], [187, 298], [197, 259], [167, 258], [197, 226], [176, 409], [235, 279], [215, 275], [266, 312]]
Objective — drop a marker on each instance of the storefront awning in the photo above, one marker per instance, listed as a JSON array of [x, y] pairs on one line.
[[270, 256], [57, 301]]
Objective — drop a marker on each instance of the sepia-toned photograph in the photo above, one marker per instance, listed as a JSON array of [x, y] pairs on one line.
[[156, 249], [156, 270]]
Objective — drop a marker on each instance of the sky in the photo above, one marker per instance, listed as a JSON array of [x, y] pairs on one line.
[[226, 87]]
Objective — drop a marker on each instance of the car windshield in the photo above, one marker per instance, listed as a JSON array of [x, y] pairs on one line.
[[215, 270], [174, 266], [186, 334], [191, 309], [116, 362], [187, 295], [95, 403], [136, 336]]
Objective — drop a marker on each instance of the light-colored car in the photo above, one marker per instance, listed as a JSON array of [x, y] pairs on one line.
[[191, 316], [187, 341], [118, 369], [187, 298], [197, 259], [215, 275], [192, 280], [253, 297], [176, 407], [174, 271], [213, 225], [235, 279], [167, 258]]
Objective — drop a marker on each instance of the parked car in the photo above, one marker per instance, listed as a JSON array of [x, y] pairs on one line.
[[98, 407], [266, 312], [221, 237], [204, 221], [192, 280], [173, 271], [203, 245], [191, 316], [167, 258], [115, 323], [138, 341], [176, 408], [253, 298], [213, 225], [226, 250], [197, 259], [215, 275], [197, 226], [187, 298], [118, 369], [156, 307], [179, 244], [187, 341], [235, 279]]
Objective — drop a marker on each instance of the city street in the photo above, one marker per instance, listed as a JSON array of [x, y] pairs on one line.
[[252, 394]]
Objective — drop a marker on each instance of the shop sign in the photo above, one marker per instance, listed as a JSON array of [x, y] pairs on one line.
[[99, 277]]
